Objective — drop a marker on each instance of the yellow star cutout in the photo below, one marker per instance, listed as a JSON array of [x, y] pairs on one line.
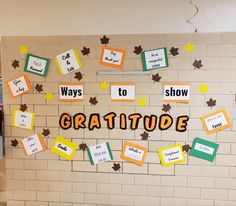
[[203, 88], [104, 85], [23, 49], [189, 47], [142, 102], [48, 96]]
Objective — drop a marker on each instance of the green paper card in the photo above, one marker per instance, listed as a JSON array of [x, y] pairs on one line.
[[154, 59], [204, 149], [99, 153], [36, 65]]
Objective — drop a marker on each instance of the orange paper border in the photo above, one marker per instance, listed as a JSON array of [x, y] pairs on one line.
[[40, 140], [68, 100], [27, 83], [122, 84], [219, 128], [177, 100], [116, 50], [122, 156]]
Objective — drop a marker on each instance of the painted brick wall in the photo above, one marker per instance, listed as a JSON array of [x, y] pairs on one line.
[[46, 180]]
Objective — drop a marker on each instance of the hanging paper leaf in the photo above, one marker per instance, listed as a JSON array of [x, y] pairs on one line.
[[138, 49], [186, 148], [144, 135], [23, 49], [48, 96], [39, 88], [104, 40], [85, 51], [211, 103], [104, 85], [189, 47], [15, 64], [116, 166], [93, 100], [174, 51], [156, 77], [46, 132], [23, 107], [197, 64], [14, 143], [166, 107], [83, 146], [78, 75]]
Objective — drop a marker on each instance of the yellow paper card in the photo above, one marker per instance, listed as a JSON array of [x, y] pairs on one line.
[[24, 120], [171, 155], [64, 148]]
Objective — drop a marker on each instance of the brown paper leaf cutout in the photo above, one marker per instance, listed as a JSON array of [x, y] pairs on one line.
[[116, 166], [15, 64], [104, 40], [144, 135], [83, 146], [93, 100], [23, 107], [156, 77], [138, 49], [166, 107], [197, 64], [85, 51], [46, 132], [39, 88], [14, 143], [186, 148], [78, 76], [211, 103], [174, 51]]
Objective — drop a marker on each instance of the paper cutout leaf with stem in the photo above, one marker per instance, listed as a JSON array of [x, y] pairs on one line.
[[78, 76], [48, 96], [156, 77], [144, 135], [166, 107], [138, 49], [93, 100], [116, 166], [174, 51], [46, 132], [14, 143], [104, 40], [23, 107], [39, 88], [83, 146], [15, 64], [85, 51], [186, 148], [211, 102], [197, 64]]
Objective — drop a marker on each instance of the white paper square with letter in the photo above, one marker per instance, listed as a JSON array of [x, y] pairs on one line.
[[100, 153], [68, 61]]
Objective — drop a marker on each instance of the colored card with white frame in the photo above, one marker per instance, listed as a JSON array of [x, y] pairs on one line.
[[71, 92], [24, 120]]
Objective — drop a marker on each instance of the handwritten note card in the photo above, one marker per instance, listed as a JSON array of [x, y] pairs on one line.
[[123, 92], [177, 93], [154, 59], [215, 121], [68, 61], [100, 153], [24, 120], [33, 144], [19, 85], [134, 153], [112, 57], [204, 149], [71, 92], [171, 155], [36, 65], [64, 148]]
